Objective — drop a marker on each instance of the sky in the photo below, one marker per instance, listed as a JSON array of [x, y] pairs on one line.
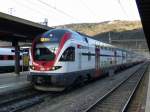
[[59, 12]]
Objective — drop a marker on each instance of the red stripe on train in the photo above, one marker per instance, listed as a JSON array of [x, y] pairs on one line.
[[46, 65]]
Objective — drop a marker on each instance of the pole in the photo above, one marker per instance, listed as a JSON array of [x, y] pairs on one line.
[[17, 57]]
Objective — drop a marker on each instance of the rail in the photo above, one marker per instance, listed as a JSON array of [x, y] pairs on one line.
[[118, 98]]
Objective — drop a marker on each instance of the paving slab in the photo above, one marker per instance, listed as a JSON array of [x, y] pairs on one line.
[[148, 95], [12, 82]]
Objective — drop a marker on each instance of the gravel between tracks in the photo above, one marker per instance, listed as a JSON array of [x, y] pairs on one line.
[[79, 99], [138, 102]]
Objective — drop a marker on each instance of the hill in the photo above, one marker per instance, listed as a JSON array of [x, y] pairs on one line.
[[96, 28], [124, 34]]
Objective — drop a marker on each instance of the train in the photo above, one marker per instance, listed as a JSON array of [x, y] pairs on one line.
[[60, 58], [7, 59]]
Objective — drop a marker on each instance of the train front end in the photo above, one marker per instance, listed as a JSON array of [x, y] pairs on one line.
[[45, 73]]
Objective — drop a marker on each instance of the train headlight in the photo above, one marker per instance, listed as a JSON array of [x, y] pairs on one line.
[[32, 67], [53, 68], [56, 67]]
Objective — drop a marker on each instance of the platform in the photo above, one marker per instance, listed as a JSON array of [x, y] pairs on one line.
[[12, 82], [147, 109]]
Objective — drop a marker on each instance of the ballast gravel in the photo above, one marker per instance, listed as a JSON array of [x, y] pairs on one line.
[[81, 98]]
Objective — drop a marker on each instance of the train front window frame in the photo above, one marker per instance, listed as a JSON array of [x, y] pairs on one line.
[[44, 54], [68, 54], [45, 51]]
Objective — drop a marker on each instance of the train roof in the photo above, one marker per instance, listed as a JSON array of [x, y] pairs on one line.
[[84, 38], [96, 42], [10, 51], [4, 51]]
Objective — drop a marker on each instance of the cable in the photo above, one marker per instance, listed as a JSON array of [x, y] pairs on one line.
[[89, 9], [58, 10], [122, 7], [31, 9]]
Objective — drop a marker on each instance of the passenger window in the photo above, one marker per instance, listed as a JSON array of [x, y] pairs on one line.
[[1, 57], [68, 55], [5, 57], [10, 57]]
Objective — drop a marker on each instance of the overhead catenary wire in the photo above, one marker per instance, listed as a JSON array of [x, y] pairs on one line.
[[58, 10], [122, 8], [88, 8], [48, 5], [31, 9]]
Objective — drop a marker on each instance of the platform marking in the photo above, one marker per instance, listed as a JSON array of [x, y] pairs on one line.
[[12, 85], [5, 86]]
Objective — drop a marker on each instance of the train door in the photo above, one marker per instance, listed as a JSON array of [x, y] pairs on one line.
[[97, 61], [80, 61], [115, 57]]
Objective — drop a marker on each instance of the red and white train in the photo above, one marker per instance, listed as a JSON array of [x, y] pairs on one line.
[[62, 57]]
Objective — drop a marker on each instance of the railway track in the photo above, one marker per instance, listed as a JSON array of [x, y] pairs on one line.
[[118, 98], [29, 99], [22, 100]]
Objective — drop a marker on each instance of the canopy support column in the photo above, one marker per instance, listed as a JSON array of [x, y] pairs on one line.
[[17, 57]]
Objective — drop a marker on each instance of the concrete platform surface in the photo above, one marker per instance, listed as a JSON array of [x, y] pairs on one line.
[[13, 82], [147, 109]]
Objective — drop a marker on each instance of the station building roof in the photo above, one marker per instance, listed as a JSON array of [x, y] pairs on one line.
[[13, 28], [144, 11]]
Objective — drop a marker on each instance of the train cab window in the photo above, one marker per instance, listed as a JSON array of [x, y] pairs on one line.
[[68, 55], [44, 54]]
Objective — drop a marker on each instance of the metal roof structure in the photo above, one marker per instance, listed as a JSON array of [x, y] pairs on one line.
[[14, 28], [144, 11]]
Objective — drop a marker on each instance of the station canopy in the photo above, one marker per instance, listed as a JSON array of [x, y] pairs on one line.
[[144, 11], [17, 29]]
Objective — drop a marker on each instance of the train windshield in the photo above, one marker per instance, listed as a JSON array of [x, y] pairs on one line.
[[46, 45], [45, 51]]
